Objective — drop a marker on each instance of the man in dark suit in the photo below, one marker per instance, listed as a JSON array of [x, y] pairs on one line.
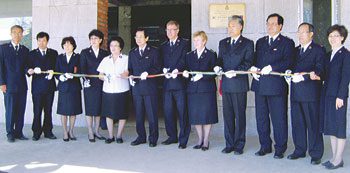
[[13, 82], [274, 52], [305, 96], [43, 86], [235, 53], [143, 61], [173, 54]]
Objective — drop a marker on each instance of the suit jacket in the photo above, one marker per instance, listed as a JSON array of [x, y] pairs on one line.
[[13, 68], [71, 85], [312, 59], [238, 57], [336, 83], [205, 63], [280, 56], [89, 63], [174, 58], [149, 62], [47, 62]]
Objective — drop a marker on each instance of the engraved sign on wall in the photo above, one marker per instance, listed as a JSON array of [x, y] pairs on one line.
[[220, 13]]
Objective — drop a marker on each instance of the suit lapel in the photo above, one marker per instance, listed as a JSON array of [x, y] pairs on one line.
[[339, 53]]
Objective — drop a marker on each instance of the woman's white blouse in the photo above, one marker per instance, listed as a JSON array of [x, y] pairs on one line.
[[116, 84]]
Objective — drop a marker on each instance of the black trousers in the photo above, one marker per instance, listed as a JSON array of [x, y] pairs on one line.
[[15, 105], [305, 128], [42, 102], [175, 101], [234, 111], [146, 105], [274, 109]]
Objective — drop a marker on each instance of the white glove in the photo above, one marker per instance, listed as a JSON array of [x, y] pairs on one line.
[[174, 73], [185, 74], [217, 70], [63, 78], [255, 76], [68, 76], [131, 81], [197, 77], [144, 75], [297, 78], [50, 75], [166, 73], [86, 83], [230, 74], [37, 70], [288, 78], [266, 70]]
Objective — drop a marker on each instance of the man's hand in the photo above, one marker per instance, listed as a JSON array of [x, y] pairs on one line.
[[3, 88]]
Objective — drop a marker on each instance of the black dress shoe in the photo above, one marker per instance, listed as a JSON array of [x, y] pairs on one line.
[[73, 138], [99, 137], [23, 138], [331, 166], [263, 152], [65, 139], [10, 138], [182, 146], [205, 148], [50, 136], [168, 142], [137, 142], [227, 150], [294, 156], [238, 152], [198, 146], [315, 161], [109, 140], [35, 137], [151, 144], [278, 155], [119, 140], [326, 163]]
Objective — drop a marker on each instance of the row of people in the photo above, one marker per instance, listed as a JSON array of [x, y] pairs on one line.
[[194, 99]]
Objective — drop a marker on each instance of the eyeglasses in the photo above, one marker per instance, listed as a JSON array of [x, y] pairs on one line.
[[303, 32]]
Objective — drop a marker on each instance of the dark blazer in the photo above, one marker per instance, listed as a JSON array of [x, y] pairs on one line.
[[13, 68], [280, 56], [312, 59], [205, 63], [47, 62], [174, 58], [150, 63], [89, 64], [336, 83], [239, 57], [71, 67]]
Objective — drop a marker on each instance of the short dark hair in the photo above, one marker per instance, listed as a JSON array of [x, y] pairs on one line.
[[118, 39], [97, 33], [341, 29], [17, 26], [173, 22], [69, 39], [142, 29], [280, 19], [311, 27], [239, 19], [42, 35]]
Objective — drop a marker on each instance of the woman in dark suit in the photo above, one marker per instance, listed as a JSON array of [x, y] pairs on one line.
[[69, 87], [336, 94], [90, 59], [201, 89]]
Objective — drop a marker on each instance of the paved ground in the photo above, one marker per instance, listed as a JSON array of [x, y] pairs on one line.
[[81, 156]]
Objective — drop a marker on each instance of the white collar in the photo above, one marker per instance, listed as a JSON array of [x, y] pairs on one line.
[[274, 37], [142, 48], [306, 46], [234, 39], [337, 49], [174, 41], [200, 52], [14, 45], [41, 50]]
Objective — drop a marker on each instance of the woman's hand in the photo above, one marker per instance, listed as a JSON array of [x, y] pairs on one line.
[[125, 74], [313, 76], [339, 103]]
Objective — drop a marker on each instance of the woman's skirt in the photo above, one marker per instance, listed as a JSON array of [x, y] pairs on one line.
[[202, 108], [69, 103], [115, 105]]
